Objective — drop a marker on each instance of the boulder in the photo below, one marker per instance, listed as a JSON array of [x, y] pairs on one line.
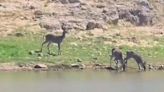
[[111, 16], [50, 24], [145, 18], [144, 3], [92, 25], [19, 34]]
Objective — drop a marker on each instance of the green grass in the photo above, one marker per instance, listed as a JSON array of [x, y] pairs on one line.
[[16, 49]]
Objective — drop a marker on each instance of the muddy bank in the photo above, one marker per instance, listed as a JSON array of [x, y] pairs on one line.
[[52, 67], [65, 67]]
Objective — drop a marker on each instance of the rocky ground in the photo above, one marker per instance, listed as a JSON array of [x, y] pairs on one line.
[[66, 67], [82, 15]]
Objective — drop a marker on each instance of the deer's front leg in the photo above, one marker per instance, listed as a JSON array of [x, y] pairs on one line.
[[59, 52], [139, 66]]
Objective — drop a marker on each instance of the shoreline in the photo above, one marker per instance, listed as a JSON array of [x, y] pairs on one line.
[[71, 67]]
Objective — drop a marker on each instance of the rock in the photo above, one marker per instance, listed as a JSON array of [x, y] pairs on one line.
[[109, 68], [144, 3], [79, 60], [145, 19], [111, 16], [31, 52], [40, 54], [64, 1], [93, 25], [78, 66], [161, 67], [150, 67], [41, 66], [69, 1], [50, 24], [74, 1], [18, 34], [74, 44], [38, 13]]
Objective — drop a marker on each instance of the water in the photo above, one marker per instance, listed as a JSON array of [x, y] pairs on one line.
[[84, 81]]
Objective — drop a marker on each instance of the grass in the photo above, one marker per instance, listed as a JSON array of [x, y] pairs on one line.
[[16, 49]]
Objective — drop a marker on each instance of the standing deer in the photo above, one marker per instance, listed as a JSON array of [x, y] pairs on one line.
[[50, 38], [137, 58], [118, 58]]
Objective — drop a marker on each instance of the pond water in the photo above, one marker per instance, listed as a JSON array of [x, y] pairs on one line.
[[82, 81]]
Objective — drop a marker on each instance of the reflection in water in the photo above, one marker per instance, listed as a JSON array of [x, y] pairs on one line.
[[81, 81]]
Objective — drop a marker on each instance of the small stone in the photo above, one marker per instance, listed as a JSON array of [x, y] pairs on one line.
[[79, 60], [40, 54], [74, 44], [78, 66], [161, 67], [75, 65], [109, 68], [40, 66], [31, 52]]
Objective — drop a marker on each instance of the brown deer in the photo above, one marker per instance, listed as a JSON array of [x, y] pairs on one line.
[[137, 58], [50, 38], [118, 58]]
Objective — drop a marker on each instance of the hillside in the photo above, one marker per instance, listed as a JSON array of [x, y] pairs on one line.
[[46, 15]]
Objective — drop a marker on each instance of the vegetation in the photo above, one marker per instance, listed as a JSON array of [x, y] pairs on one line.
[[16, 49]]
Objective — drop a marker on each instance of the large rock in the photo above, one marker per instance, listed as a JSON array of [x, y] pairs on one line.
[[111, 16], [139, 15], [92, 25], [144, 3], [50, 24]]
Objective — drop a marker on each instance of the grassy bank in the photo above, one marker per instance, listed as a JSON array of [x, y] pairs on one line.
[[16, 49]]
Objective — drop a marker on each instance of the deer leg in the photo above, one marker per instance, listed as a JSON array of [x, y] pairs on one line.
[[111, 60], [42, 45], [48, 47], [144, 66], [139, 66], [122, 66], [59, 52], [116, 64]]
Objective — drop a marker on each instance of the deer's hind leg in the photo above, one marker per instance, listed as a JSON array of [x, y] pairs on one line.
[[42, 45], [48, 47]]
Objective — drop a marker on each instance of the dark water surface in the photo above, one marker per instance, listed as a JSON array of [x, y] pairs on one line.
[[82, 81]]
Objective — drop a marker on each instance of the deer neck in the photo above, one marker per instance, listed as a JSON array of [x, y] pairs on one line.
[[63, 34]]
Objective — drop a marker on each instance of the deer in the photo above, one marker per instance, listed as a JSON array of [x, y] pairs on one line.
[[118, 58], [137, 58], [51, 38]]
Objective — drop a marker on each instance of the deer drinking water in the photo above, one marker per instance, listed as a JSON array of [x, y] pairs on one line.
[[118, 58], [137, 58], [50, 38]]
